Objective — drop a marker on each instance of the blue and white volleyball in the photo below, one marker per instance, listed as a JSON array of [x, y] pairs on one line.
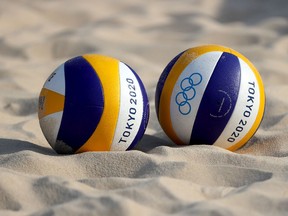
[[93, 103], [210, 95]]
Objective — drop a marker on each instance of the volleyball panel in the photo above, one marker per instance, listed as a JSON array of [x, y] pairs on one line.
[[246, 109], [187, 93], [262, 102], [107, 70], [50, 125], [56, 81], [131, 109], [50, 102], [218, 101], [181, 63], [50, 111], [83, 106], [145, 113]]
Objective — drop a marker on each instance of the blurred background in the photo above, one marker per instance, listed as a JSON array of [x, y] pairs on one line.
[[37, 36]]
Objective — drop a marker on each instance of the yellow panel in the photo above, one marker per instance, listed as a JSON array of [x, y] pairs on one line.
[[50, 102], [180, 65], [108, 72]]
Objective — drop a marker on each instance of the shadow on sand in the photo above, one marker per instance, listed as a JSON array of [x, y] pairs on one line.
[[9, 146], [149, 142]]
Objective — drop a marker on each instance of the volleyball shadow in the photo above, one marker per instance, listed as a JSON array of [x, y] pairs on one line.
[[10, 146], [149, 142]]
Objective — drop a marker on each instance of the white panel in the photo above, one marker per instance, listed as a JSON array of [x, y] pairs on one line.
[[244, 105], [56, 81], [183, 122], [50, 126], [131, 109]]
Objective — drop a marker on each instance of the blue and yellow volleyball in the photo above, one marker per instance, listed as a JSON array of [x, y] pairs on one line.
[[211, 95], [93, 103]]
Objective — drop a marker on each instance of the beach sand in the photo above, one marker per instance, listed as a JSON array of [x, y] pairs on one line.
[[157, 177]]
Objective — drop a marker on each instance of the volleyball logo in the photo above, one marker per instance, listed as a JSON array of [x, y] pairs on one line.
[[187, 93], [210, 95], [93, 103]]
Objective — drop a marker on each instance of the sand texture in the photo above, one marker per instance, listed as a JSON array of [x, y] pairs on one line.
[[157, 178]]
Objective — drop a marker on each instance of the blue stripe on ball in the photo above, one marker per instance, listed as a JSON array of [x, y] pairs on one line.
[[83, 105], [218, 101]]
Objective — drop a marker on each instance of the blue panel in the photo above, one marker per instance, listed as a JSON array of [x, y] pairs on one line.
[[146, 112], [83, 105], [218, 101], [162, 80]]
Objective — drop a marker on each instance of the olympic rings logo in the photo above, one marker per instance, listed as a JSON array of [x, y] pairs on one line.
[[188, 92]]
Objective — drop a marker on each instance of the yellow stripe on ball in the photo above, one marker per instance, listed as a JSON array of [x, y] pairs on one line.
[[50, 102], [107, 70]]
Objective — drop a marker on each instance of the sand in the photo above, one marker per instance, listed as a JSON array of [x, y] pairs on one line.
[[157, 177]]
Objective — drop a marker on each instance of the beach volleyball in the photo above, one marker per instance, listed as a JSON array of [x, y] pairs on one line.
[[93, 103], [211, 95]]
